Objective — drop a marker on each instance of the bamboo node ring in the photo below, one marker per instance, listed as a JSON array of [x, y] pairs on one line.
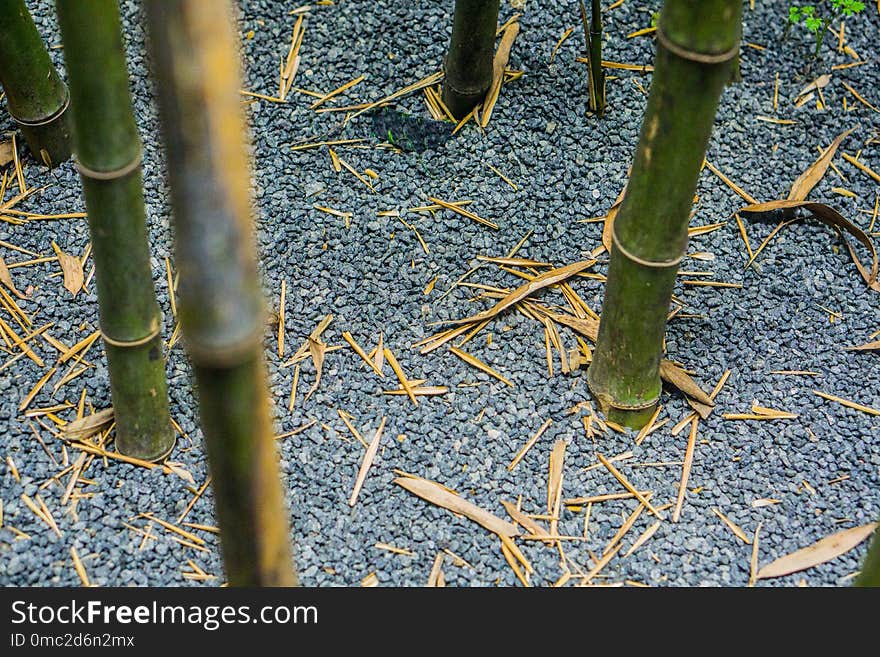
[[121, 172], [634, 407], [606, 401], [690, 55], [155, 331], [661, 264], [47, 120]]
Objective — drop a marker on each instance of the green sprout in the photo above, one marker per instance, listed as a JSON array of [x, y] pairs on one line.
[[848, 7], [813, 22]]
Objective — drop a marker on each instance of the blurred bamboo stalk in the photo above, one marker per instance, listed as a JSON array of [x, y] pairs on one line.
[[109, 152], [696, 45], [220, 306], [469, 59], [36, 97], [870, 574]]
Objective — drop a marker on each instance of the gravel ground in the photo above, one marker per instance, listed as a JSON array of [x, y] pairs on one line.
[[371, 277]]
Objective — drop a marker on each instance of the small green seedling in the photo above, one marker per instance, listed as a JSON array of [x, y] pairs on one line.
[[848, 7], [814, 22]]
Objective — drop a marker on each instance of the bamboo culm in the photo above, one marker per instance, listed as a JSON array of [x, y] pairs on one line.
[[469, 59], [221, 310], [593, 36], [696, 44], [108, 152], [35, 95], [870, 573]]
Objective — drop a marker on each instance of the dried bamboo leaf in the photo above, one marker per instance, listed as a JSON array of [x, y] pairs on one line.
[[608, 227], [819, 552], [531, 442], [847, 402], [317, 350], [805, 182], [436, 575], [522, 519], [702, 410], [401, 376], [6, 155], [88, 426], [772, 412], [437, 494], [554, 478], [360, 352], [868, 346], [502, 55], [832, 217], [6, 279], [366, 463], [72, 269], [732, 526], [819, 83], [515, 262], [672, 373], [180, 471], [686, 469], [480, 365], [587, 327], [538, 283]]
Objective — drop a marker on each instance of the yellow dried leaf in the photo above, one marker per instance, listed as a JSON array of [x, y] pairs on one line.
[[439, 495], [6, 278], [608, 227], [538, 283], [868, 346], [6, 155], [673, 374], [522, 519], [180, 471], [88, 426], [317, 350], [832, 217], [805, 182], [72, 269], [499, 64], [819, 552], [366, 463]]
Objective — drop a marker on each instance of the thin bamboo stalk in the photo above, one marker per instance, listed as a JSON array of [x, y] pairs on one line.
[[109, 160], [593, 38], [36, 97], [696, 43], [597, 73], [220, 306], [469, 60]]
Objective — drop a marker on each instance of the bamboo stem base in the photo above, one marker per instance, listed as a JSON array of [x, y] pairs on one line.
[[49, 139]]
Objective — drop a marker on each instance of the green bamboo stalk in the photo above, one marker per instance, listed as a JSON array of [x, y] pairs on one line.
[[696, 43], [469, 60], [36, 97], [221, 309], [109, 153], [870, 575], [593, 36], [597, 73]]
